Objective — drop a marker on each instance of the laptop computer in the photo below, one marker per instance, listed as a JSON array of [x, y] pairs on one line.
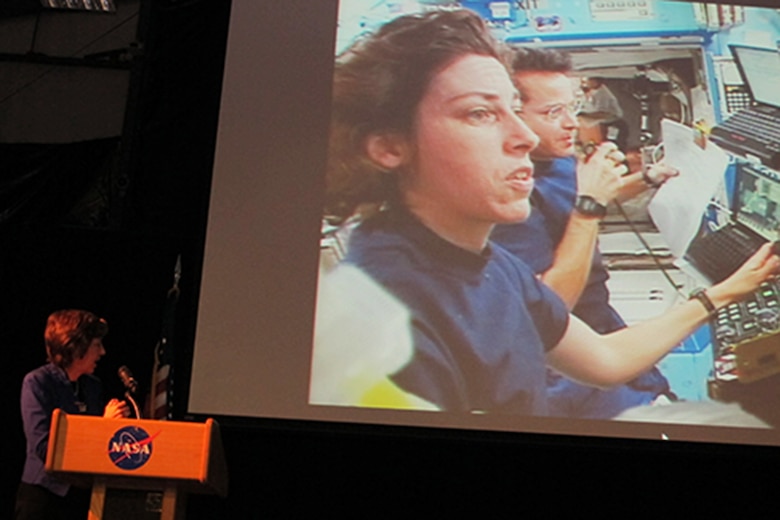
[[754, 132], [754, 219], [760, 70]]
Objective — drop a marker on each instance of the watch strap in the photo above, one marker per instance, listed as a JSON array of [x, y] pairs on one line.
[[701, 295]]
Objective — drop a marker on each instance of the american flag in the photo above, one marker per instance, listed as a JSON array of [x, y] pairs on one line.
[[162, 373]]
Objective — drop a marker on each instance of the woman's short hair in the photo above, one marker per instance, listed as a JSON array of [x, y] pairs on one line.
[[379, 82], [69, 333]]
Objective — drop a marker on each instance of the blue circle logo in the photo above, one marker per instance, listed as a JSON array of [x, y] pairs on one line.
[[130, 447]]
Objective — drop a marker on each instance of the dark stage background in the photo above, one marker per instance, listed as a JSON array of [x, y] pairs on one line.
[[99, 225]]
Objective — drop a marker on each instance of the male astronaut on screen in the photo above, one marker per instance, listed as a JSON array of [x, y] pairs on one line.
[[559, 239]]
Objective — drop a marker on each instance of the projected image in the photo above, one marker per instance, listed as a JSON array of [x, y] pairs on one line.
[[470, 172], [426, 232]]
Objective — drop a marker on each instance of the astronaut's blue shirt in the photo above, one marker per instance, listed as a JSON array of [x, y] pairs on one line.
[[481, 323]]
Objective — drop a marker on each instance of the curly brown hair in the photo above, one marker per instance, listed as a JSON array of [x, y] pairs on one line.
[[378, 84]]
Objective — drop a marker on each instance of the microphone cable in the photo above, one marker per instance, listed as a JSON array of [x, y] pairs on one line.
[[661, 267]]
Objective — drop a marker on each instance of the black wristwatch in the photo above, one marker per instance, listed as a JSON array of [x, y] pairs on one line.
[[590, 207]]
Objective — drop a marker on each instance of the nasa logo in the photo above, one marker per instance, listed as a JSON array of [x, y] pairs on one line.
[[130, 447]]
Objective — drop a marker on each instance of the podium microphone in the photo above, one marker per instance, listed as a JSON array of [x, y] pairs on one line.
[[127, 379], [131, 385]]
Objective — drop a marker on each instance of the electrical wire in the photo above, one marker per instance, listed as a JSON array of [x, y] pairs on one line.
[[650, 252], [47, 71]]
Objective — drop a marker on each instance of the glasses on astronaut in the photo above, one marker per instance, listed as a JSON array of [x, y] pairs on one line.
[[556, 112]]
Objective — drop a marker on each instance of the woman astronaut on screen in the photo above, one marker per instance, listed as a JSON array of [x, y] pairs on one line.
[[426, 127]]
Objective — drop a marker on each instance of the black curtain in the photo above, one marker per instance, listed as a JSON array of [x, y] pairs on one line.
[[99, 224], [56, 184]]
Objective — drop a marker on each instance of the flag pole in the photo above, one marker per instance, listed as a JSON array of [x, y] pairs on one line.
[[162, 372]]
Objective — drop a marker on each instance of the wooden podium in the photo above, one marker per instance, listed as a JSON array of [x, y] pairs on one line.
[[171, 457]]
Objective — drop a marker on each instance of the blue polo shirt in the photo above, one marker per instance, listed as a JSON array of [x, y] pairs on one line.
[[535, 241], [481, 323]]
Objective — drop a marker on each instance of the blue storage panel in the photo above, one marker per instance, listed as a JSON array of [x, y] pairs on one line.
[[689, 366]]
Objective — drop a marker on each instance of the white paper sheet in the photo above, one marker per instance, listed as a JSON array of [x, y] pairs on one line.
[[678, 206]]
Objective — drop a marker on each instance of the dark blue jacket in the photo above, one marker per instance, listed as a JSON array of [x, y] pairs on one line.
[[44, 389]]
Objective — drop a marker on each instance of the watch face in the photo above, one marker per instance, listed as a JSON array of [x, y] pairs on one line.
[[589, 207]]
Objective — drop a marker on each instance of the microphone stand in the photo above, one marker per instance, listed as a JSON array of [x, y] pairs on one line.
[[129, 397]]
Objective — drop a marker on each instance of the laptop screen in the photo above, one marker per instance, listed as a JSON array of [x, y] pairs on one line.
[[761, 71], [757, 202]]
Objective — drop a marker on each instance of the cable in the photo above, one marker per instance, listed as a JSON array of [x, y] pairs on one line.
[[79, 50], [649, 249]]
